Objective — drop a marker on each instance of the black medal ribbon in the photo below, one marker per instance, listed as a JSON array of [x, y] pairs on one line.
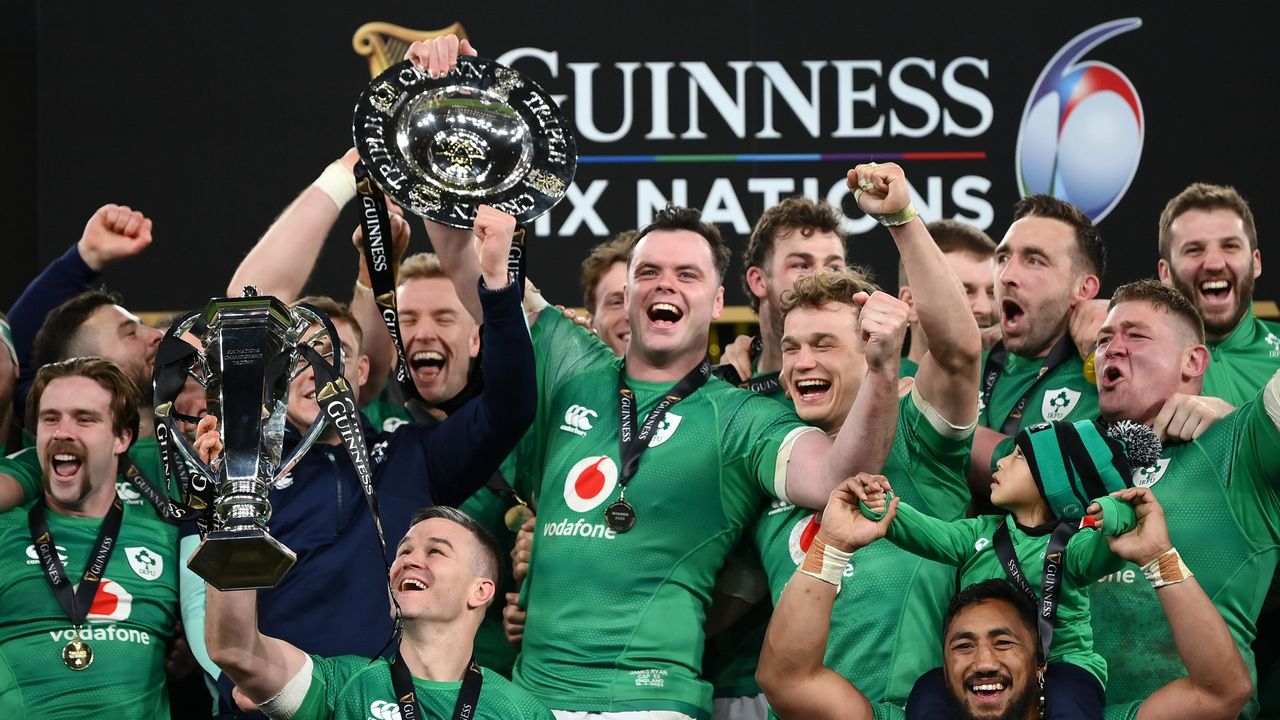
[[375, 222], [76, 602], [338, 403], [633, 437], [407, 697], [174, 358], [1045, 602], [766, 384], [994, 368]]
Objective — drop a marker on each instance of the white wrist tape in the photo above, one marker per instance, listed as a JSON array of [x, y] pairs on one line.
[[1166, 569], [338, 183]]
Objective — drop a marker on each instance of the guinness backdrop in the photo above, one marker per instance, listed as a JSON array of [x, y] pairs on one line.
[[211, 120]]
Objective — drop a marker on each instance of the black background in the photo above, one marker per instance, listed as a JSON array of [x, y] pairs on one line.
[[210, 119]]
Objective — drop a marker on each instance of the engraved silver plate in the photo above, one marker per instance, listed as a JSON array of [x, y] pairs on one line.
[[483, 134]]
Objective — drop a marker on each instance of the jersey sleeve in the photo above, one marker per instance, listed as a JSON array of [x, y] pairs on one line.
[[760, 435], [328, 676], [24, 466], [561, 347], [940, 455], [1259, 445], [1089, 557], [948, 542]]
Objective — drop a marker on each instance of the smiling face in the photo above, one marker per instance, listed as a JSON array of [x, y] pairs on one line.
[[440, 337], [609, 312], [673, 294], [1210, 262], [822, 362], [77, 445], [989, 663], [303, 408], [1038, 283], [1145, 354], [436, 574]]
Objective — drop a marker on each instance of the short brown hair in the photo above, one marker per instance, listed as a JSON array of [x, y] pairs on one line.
[[1203, 196], [1164, 298], [1090, 252], [490, 551], [602, 258], [125, 395], [793, 213], [954, 236], [827, 285], [420, 266], [676, 217], [336, 311]]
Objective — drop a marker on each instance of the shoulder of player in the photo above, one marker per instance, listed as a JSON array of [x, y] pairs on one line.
[[502, 699]]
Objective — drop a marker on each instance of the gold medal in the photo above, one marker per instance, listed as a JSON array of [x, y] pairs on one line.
[[516, 516], [77, 654]]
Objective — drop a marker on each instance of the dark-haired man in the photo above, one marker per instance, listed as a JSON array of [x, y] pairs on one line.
[[1049, 266], [319, 509], [1209, 252], [989, 636], [443, 578], [88, 580], [1219, 490]]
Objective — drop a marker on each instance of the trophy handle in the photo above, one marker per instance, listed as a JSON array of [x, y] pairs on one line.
[[306, 316]]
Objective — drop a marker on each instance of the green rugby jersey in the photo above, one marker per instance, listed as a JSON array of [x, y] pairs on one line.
[[1063, 393], [129, 626], [1243, 361], [907, 367], [969, 544], [352, 688], [491, 647], [887, 621], [733, 655], [615, 619], [1219, 494]]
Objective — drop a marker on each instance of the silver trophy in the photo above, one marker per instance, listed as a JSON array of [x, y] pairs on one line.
[[483, 133], [249, 353]]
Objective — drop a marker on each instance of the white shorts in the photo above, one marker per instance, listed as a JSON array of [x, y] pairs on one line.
[[750, 707]]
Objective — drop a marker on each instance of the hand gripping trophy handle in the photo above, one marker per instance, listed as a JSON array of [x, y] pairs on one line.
[[249, 351]]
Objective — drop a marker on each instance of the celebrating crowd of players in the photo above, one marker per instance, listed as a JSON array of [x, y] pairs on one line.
[[853, 516]]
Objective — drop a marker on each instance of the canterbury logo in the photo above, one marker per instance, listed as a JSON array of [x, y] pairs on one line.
[[579, 417]]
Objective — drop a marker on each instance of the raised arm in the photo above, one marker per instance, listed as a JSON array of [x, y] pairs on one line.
[[455, 247], [113, 233], [466, 449], [947, 542], [818, 464], [259, 665], [283, 258], [376, 343], [948, 374], [791, 670], [1217, 684]]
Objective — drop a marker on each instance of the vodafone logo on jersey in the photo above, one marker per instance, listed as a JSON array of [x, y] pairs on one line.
[[801, 539], [590, 482], [112, 602]]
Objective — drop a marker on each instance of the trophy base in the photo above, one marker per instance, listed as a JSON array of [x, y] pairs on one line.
[[241, 559]]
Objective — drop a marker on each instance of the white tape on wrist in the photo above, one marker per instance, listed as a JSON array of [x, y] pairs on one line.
[[825, 562], [338, 183]]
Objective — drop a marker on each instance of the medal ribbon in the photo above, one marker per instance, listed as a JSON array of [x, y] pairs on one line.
[[1046, 603], [76, 602], [633, 440], [375, 222], [994, 367], [407, 697]]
